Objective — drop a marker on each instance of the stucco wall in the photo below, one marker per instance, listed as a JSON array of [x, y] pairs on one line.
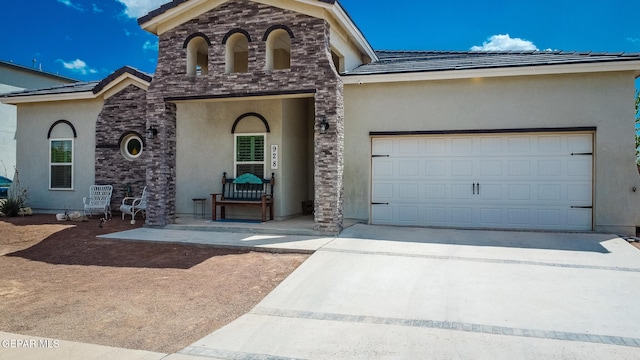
[[294, 156], [8, 114], [601, 100], [205, 150], [205, 145], [33, 151]]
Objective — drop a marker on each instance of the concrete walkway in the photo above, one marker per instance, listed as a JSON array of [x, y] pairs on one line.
[[411, 293]]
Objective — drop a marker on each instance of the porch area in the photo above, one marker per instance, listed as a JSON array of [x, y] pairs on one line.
[[295, 235], [299, 225]]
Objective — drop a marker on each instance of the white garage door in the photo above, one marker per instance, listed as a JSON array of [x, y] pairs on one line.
[[513, 181]]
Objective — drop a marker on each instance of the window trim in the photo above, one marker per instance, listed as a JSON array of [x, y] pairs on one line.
[[271, 37], [72, 164], [124, 148], [235, 153]]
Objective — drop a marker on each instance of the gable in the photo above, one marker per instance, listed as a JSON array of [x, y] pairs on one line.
[[345, 38]]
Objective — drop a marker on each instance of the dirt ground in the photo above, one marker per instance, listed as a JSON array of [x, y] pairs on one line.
[[59, 281]]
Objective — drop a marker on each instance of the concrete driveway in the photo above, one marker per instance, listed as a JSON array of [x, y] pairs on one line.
[[407, 293]]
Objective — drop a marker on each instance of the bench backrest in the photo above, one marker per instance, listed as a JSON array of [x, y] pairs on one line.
[[246, 187]]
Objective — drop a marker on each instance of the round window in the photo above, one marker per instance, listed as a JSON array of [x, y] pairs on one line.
[[131, 146]]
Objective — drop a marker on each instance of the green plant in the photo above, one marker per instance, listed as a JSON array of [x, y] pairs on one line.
[[16, 198], [11, 207]]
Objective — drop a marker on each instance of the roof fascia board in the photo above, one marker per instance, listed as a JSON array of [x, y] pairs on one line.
[[111, 89], [178, 15], [357, 37], [122, 82], [84, 95], [315, 8], [494, 72]]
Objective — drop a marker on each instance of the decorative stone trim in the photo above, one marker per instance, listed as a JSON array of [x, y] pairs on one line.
[[311, 71], [121, 114]]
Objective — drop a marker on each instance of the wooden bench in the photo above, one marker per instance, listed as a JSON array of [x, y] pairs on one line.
[[246, 190]]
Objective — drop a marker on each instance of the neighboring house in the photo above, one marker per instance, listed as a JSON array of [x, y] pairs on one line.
[[15, 78], [517, 140]]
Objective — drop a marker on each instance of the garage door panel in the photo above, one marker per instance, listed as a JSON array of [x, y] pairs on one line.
[[549, 217], [461, 191], [579, 193], [381, 214], [435, 168], [436, 215], [382, 191], [490, 217], [435, 191], [517, 168], [580, 143], [491, 168], [519, 192], [382, 169], [549, 144], [497, 181], [579, 218], [462, 168], [579, 167], [462, 216], [549, 168], [408, 147], [408, 168], [382, 146], [408, 191]]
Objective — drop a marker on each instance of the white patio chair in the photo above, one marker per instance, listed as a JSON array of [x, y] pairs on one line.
[[133, 205], [99, 200]]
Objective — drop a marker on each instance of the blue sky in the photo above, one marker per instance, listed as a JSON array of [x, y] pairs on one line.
[[89, 39]]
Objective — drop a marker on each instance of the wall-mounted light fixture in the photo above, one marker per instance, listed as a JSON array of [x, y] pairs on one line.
[[324, 125], [151, 132]]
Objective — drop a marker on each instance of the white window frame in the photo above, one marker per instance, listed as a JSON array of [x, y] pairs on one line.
[[235, 154], [51, 164], [124, 146]]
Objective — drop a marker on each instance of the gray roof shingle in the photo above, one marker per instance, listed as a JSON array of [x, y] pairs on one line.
[[395, 62], [78, 87], [60, 89]]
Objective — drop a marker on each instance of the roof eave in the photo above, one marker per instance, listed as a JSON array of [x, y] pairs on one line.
[[15, 100], [428, 75], [106, 88]]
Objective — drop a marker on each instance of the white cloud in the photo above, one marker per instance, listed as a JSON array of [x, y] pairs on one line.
[[77, 66], [138, 8], [71, 5], [633, 40], [96, 9], [505, 43], [150, 46]]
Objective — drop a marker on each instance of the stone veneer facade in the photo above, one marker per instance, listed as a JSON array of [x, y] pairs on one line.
[[312, 71], [121, 114]]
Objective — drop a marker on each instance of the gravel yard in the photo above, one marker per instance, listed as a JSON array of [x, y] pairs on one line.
[[61, 282]]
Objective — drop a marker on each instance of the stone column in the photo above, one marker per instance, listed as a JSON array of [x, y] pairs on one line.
[[329, 159], [161, 163]]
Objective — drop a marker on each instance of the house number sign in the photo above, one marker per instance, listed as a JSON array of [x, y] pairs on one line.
[[274, 157]]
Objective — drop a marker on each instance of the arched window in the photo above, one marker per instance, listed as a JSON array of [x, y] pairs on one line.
[[61, 155], [237, 53], [279, 48], [197, 55]]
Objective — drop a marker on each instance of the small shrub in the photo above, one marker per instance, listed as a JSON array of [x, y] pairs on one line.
[[16, 199], [11, 207]]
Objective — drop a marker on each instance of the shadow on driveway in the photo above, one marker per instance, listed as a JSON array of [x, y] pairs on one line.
[[567, 241]]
